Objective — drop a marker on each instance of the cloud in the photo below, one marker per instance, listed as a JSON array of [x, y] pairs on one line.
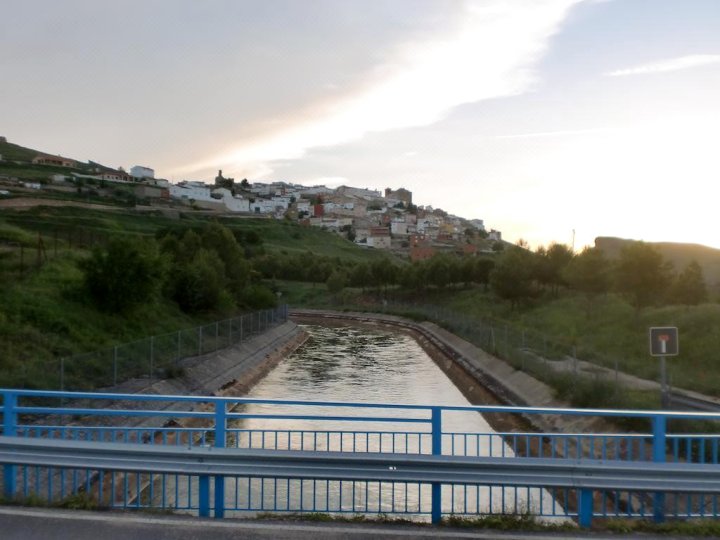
[[542, 134], [671, 64], [491, 54]]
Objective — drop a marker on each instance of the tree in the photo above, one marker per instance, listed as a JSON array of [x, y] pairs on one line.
[[222, 241], [199, 284], [482, 268], [336, 282], [642, 275], [689, 287], [383, 273], [589, 272], [512, 277], [439, 271], [361, 275], [124, 275], [551, 263]]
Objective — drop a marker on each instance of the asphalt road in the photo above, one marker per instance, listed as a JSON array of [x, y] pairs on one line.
[[20, 523]]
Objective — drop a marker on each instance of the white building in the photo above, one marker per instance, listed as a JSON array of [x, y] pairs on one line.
[[495, 235], [305, 206], [367, 194], [398, 227], [197, 191], [234, 203], [138, 171]]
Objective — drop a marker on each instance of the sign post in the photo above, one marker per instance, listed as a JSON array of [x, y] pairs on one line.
[[663, 343]]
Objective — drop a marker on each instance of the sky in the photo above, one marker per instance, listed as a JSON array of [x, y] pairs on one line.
[[551, 120]]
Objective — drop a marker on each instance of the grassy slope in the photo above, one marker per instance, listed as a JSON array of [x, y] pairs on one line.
[[43, 316], [607, 330], [15, 152], [276, 235]]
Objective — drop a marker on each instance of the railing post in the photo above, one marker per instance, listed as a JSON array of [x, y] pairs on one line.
[[204, 495], [659, 435], [436, 487], [220, 442], [10, 430], [585, 508]]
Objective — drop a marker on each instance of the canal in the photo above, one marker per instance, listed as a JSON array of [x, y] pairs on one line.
[[370, 365]]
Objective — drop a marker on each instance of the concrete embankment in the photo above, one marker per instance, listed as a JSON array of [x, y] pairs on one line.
[[231, 371]]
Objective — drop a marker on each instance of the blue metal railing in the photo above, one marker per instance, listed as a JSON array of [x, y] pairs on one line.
[[358, 428]]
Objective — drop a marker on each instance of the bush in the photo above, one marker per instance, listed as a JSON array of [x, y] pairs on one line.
[[259, 297], [127, 273]]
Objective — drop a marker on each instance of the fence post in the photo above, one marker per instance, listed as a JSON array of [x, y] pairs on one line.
[[10, 430], [436, 487], [220, 442], [152, 357], [178, 346], [659, 423], [200, 336], [585, 510], [242, 318], [217, 335], [230, 341], [115, 366], [507, 345], [62, 374]]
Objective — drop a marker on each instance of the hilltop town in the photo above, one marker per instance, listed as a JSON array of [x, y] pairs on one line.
[[367, 217]]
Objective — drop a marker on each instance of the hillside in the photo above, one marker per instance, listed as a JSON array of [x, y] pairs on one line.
[[679, 254], [16, 162], [15, 152]]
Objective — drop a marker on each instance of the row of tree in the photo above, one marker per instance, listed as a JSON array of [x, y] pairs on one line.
[[517, 274], [215, 268], [640, 273], [201, 270]]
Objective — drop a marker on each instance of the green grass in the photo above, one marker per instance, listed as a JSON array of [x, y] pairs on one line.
[[45, 315], [276, 235], [15, 152], [610, 332]]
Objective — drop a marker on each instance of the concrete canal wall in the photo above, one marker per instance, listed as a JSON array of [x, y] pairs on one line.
[[231, 371]]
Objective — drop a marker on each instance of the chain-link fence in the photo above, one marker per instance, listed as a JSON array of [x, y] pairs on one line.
[[525, 349], [159, 356]]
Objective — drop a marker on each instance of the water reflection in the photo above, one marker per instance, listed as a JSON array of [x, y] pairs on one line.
[[358, 364]]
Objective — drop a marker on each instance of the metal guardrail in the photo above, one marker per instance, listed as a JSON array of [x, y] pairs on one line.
[[378, 467], [320, 462], [684, 401]]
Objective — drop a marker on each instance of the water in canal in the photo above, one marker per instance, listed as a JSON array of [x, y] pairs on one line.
[[361, 364]]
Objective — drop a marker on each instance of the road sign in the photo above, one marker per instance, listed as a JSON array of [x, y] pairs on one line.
[[664, 341]]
